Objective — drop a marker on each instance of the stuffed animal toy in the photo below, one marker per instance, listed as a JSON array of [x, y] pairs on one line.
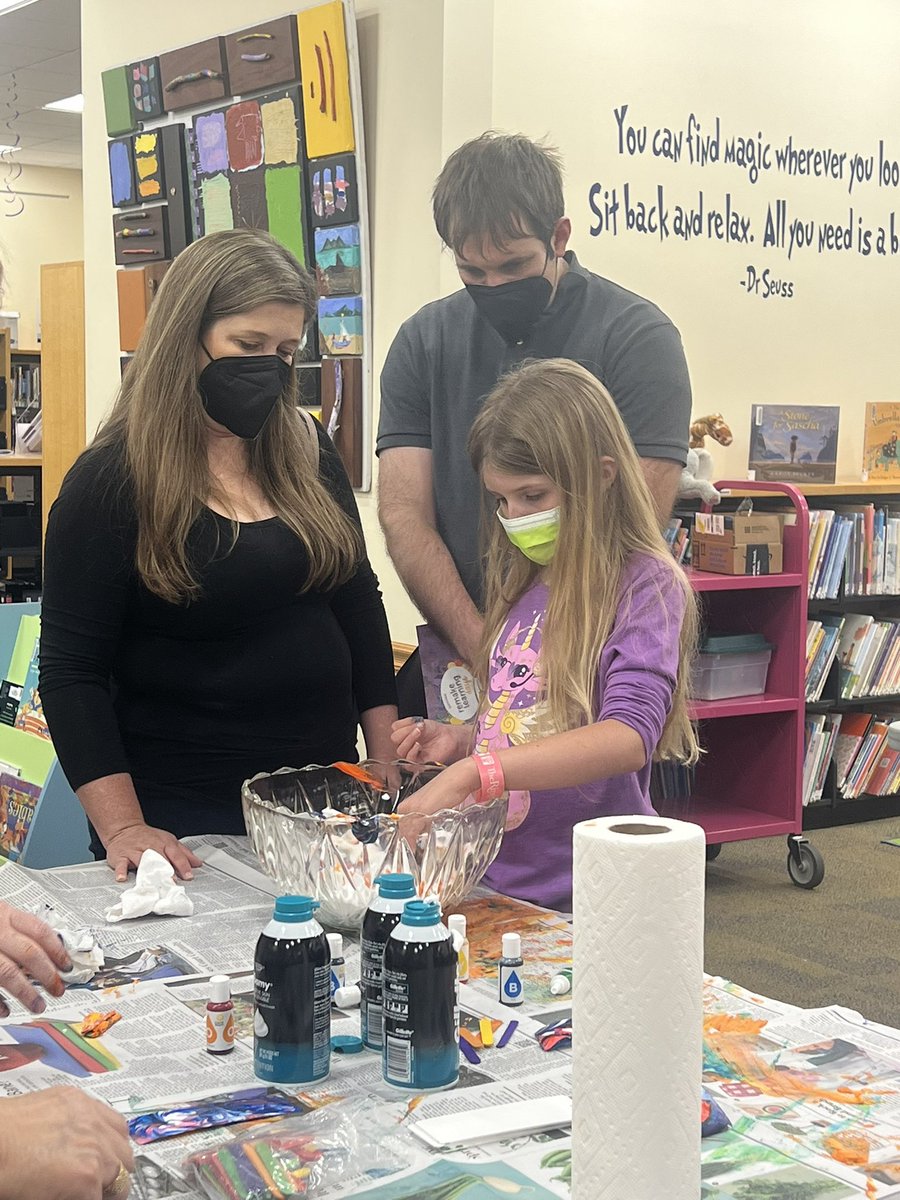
[[696, 478]]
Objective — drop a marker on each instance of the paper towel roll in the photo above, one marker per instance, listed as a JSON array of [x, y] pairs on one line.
[[637, 1008]]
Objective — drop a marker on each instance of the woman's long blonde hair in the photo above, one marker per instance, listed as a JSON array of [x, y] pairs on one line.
[[159, 420], [553, 418]]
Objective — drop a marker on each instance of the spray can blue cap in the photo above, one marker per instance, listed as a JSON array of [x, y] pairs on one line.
[[295, 908]]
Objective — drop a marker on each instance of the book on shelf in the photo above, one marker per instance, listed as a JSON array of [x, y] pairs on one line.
[[849, 739], [794, 443], [18, 801], [30, 716], [881, 441], [825, 636], [866, 758], [820, 733], [851, 645]]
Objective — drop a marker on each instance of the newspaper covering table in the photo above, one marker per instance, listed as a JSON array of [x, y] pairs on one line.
[[813, 1095]]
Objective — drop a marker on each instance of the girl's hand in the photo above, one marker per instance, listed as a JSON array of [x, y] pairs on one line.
[[447, 790], [420, 740]]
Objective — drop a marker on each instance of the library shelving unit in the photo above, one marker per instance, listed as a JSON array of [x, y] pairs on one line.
[[748, 783], [61, 358], [833, 808]]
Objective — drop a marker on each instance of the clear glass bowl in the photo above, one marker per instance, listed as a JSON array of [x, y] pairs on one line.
[[329, 832]]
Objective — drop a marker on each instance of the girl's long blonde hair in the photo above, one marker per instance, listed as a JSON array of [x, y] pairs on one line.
[[553, 418], [159, 420]]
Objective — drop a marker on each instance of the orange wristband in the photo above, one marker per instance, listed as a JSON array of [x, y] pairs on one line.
[[491, 775]]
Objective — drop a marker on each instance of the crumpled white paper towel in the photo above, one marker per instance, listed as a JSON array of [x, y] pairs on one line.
[[154, 891], [81, 945]]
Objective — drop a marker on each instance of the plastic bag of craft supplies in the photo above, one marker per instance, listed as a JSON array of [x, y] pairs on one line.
[[298, 1156]]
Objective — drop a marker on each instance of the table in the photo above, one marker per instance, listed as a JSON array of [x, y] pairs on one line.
[[779, 1071]]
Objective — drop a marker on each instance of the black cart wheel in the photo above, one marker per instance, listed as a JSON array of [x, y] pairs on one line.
[[713, 850], [805, 864]]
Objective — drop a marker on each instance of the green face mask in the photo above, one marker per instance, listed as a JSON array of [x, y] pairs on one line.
[[535, 535]]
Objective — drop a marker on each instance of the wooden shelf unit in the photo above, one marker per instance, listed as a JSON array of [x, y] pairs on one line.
[[62, 361]]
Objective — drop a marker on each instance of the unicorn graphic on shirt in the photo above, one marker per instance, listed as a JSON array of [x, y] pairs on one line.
[[514, 688]]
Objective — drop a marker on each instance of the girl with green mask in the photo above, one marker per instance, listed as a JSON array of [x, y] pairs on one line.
[[590, 627]]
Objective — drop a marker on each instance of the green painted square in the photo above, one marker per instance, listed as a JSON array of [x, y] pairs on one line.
[[117, 102], [284, 201]]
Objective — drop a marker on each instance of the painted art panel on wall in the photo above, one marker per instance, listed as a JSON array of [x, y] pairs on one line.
[[334, 199], [341, 325], [338, 261], [325, 71]]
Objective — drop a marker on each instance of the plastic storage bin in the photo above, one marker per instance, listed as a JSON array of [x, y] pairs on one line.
[[731, 666]]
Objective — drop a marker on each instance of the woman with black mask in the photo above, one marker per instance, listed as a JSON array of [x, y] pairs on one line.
[[208, 609]]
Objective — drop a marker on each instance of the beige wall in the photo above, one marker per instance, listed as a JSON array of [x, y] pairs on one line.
[[811, 68], [438, 71], [49, 229]]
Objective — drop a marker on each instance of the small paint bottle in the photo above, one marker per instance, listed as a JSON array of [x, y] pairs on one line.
[[220, 1016], [336, 946], [457, 926], [561, 983], [512, 991]]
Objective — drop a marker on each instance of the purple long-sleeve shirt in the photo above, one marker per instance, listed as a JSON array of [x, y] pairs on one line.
[[635, 681]]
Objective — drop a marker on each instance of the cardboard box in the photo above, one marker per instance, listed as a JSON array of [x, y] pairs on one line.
[[714, 554], [732, 529]]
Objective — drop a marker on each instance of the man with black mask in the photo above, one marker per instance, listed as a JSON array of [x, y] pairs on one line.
[[498, 205]]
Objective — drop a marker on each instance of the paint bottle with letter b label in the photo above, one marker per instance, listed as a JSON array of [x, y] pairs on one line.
[[512, 990], [383, 914], [292, 995], [421, 1051]]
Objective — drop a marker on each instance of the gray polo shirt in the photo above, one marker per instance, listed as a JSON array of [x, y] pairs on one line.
[[446, 359]]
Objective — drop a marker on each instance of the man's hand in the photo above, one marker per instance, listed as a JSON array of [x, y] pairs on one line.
[[29, 950], [124, 850], [60, 1144]]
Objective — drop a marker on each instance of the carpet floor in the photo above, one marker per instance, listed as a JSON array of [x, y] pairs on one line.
[[837, 944]]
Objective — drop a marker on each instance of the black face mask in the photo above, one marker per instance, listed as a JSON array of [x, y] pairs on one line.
[[513, 308], [240, 392]]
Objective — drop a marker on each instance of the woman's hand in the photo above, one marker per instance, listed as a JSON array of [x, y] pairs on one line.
[[29, 950], [420, 740], [60, 1144], [447, 790], [124, 850]]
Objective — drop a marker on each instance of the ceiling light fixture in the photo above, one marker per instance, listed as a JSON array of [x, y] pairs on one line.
[[71, 104]]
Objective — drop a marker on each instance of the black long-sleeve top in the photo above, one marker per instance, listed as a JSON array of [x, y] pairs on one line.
[[193, 698]]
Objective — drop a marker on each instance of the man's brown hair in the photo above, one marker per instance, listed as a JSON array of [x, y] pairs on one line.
[[498, 187]]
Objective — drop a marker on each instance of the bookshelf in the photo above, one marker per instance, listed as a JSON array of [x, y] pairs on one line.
[[748, 782], [829, 803], [61, 386]]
